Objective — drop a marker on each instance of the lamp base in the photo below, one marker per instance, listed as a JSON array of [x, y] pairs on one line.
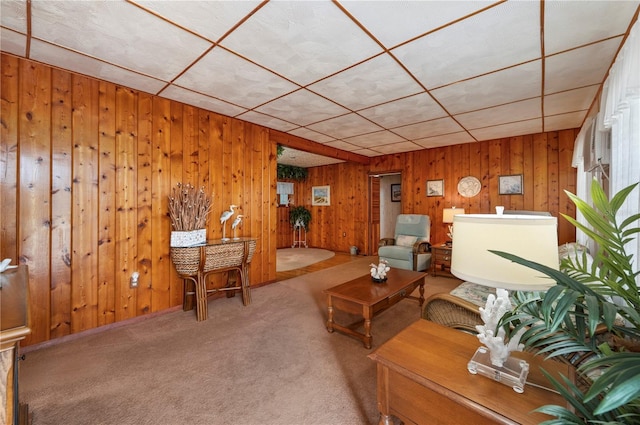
[[513, 373]]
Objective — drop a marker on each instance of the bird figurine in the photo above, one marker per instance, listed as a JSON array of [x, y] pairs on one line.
[[235, 224], [223, 220]]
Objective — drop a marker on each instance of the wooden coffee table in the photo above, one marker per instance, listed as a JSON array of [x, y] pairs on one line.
[[364, 297]]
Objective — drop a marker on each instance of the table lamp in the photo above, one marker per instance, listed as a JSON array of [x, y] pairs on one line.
[[531, 237], [447, 218]]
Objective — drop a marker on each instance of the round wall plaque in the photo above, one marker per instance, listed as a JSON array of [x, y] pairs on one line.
[[469, 186]]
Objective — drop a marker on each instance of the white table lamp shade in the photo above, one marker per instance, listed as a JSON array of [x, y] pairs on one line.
[[534, 238], [448, 213]]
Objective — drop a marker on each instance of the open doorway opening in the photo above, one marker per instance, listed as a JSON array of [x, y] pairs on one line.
[[385, 194]]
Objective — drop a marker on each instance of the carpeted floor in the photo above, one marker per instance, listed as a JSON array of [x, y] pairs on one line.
[[296, 258], [271, 362]]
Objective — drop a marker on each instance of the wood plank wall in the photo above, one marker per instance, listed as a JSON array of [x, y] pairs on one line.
[[87, 168], [543, 159]]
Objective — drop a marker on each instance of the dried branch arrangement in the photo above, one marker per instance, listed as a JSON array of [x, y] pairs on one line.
[[188, 207]]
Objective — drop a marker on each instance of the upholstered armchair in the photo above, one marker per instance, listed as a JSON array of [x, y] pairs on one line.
[[410, 248]]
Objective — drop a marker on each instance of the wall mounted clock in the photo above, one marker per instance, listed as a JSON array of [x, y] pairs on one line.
[[469, 186]]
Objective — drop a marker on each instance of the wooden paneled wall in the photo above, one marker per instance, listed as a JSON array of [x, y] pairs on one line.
[[86, 171], [543, 159]]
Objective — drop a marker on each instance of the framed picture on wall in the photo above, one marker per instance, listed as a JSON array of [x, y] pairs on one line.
[[510, 185], [435, 188], [396, 193], [321, 195]]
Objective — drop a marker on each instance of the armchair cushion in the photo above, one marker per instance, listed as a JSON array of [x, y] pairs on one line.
[[406, 240]]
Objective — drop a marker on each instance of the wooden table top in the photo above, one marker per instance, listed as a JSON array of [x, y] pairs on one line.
[[364, 291], [437, 357]]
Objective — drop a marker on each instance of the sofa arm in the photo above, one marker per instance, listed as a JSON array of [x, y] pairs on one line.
[[386, 241]]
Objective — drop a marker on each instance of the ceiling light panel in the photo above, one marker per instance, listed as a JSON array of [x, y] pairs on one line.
[[233, 79], [302, 40], [394, 22], [98, 29], [509, 85], [375, 81], [589, 24], [302, 107], [468, 48], [209, 19]]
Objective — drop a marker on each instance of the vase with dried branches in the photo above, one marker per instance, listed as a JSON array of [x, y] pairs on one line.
[[188, 211]]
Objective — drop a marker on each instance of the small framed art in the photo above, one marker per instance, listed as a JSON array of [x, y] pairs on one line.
[[396, 193], [435, 187], [510, 185], [321, 195]]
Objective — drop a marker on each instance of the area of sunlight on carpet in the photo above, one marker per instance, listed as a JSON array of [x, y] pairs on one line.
[[295, 258]]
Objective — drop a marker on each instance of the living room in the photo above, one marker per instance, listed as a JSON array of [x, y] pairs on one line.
[[89, 165]]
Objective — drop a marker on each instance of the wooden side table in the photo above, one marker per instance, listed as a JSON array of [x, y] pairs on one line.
[[441, 260], [423, 379]]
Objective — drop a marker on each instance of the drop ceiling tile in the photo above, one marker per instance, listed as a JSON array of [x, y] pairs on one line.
[[13, 15], [340, 144], [588, 19], [467, 49], [302, 107], [517, 111], [375, 81], [303, 41], [398, 148], [564, 121], [345, 126], [98, 29], [508, 130], [234, 80], [205, 102], [506, 86], [409, 110], [366, 152], [13, 42], [266, 121], [66, 59], [374, 139], [445, 140], [305, 133], [400, 23], [572, 100], [580, 67], [304, 159], [428, 128], [209, 19]]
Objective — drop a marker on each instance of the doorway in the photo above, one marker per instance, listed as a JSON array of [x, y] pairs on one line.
[[385, 206]]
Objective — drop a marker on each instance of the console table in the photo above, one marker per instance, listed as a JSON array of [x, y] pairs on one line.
[[195, 263], [14, 327], [423, 379]]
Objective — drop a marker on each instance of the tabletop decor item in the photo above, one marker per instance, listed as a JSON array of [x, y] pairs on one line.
[[379, 272], [188, 211]]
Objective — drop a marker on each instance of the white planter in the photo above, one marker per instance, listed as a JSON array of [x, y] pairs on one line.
[[188, 238]]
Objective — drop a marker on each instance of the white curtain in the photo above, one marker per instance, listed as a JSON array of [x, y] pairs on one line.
[[619, 113]]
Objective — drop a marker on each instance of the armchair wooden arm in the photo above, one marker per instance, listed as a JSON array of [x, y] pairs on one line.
[[386, 241], [420, 247]]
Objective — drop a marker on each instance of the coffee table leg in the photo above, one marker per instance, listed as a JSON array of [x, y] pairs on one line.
[[421, 300], [330, 311], [367, 313]]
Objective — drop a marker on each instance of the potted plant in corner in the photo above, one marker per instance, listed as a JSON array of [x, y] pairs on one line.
[[590, 318], [300, 217]]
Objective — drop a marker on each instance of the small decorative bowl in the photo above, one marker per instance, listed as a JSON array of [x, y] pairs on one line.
[[376, 280]]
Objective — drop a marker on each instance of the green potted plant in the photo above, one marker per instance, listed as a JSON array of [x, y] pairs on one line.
[[591, 317], [300, 217]]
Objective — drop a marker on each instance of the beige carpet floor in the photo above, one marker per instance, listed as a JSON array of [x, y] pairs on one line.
[[296, 258], [271, 362]]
